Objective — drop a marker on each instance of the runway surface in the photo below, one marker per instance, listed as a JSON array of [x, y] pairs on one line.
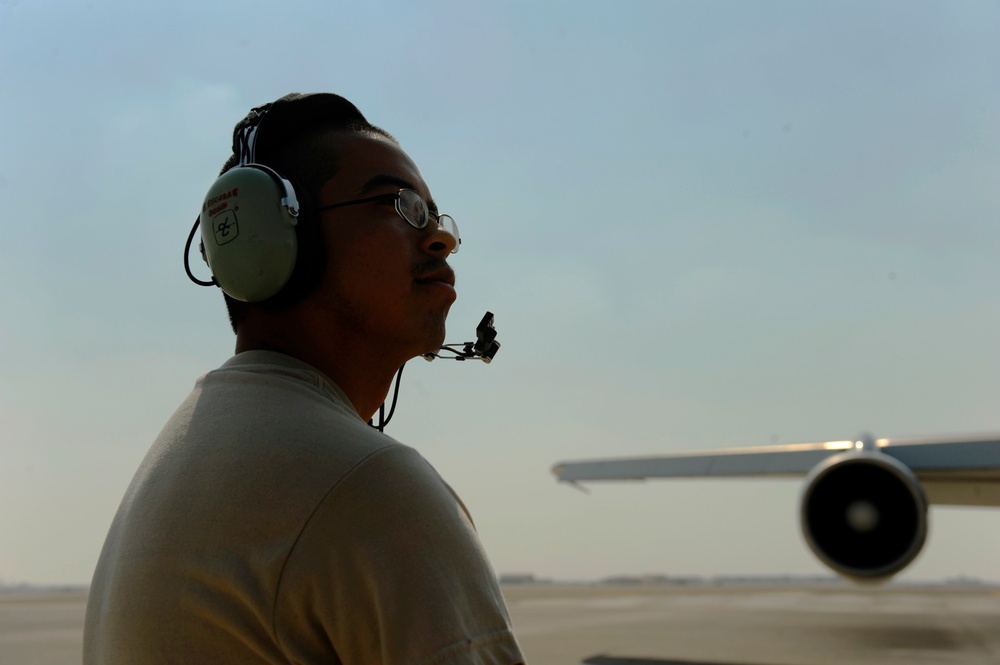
[[780, 625], [41, 627], [656, 625]]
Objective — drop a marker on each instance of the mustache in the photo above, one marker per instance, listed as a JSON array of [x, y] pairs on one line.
[[429, 266]]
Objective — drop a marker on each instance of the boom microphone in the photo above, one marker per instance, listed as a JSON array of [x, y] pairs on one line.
[[484, 348]]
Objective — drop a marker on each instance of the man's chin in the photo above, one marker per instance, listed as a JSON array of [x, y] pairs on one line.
[[435, 345]]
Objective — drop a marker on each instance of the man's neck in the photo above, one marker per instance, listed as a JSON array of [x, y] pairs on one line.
[[365, 377]]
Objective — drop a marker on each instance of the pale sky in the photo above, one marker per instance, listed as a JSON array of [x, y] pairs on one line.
[[699, 225]]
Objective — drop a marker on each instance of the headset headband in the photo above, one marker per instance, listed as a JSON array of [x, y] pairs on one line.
[[245, 135]]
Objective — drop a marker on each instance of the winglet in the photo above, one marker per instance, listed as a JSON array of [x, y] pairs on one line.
[[557, 472]]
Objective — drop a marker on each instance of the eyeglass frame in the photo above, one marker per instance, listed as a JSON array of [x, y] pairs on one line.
[[397, 197]]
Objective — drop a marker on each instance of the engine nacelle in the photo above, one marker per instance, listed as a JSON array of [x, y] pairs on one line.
[[864, 514]]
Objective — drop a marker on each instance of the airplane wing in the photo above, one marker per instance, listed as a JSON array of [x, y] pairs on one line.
[[952, 471]]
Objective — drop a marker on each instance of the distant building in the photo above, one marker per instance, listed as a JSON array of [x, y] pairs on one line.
[[518, 578], [651, 580]]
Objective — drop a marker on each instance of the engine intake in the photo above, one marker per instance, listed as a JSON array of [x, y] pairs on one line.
[[864, 514]]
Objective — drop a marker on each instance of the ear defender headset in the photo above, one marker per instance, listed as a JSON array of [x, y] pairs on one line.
[[252, 217], [248, 234]]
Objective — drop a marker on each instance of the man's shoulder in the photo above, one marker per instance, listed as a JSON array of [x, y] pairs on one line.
[[391, 472], [252, 431], [273, 373], [261, 398]]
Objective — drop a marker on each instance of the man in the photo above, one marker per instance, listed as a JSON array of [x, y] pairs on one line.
[[269, 523]]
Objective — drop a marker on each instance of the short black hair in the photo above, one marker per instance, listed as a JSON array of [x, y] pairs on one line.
[[286, 142]]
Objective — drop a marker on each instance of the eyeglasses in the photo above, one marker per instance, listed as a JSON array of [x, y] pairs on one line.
[[411, 207]]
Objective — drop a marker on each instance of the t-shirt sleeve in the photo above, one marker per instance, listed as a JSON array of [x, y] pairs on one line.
[[389, 569]]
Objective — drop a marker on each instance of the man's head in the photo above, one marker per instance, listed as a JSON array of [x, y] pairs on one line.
[[363, 272]]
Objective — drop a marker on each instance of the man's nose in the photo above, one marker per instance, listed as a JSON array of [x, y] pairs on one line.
[[437, 241]]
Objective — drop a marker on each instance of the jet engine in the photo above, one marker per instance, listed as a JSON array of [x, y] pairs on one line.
[[864, 514]]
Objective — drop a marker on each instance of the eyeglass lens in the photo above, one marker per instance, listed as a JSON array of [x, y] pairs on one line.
[[413, 208]]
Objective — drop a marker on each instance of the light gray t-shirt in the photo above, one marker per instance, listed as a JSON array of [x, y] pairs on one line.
[[269, 524]]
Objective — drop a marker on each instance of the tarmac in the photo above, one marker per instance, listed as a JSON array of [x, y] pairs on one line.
[[755, 625], [656, 624]]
